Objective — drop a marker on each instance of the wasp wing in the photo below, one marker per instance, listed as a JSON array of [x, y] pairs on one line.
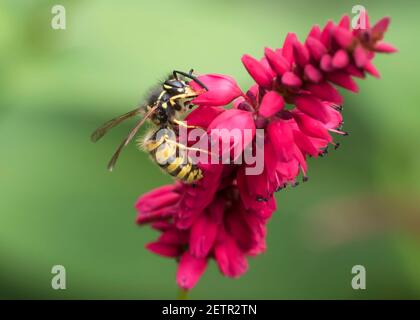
[[130, 136], [102, 130]]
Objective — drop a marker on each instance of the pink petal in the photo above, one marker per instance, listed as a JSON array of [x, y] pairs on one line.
[[312, 106], [203, 116], [222, 90], [288, 47], [381, 27], [301, 160], [343, 37], [233, 119], [316, 48], [264, 62], [325, 91], [229, 258], [281, 136], [271, 103], [257, 71], [355, 72], [253, 94], [326, 63], [311, 127], [315, 32], [195, 198], [340, 59], [234, 122], [277, 62], [312, 73], [163, 249], [326, 35], [190, 269], [291, 80], [336, 118], [156, 202], [245, 228], [161, 225], [253, 188], [304, 144], [204, 231], [151, 195], [173, 236], [156, 215], [370, 68], [360, 56], [301, 54], [343, 80], [258, 230], [384, 47], [345, 22]]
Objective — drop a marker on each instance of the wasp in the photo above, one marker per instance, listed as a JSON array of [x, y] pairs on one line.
[[165, 104]]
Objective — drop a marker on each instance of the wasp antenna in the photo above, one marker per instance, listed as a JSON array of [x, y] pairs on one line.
[[192, 77]]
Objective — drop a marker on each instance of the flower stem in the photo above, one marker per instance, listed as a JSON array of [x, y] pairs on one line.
[[182, 294]]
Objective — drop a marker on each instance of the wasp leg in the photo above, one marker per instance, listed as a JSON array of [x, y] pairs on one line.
[[184, 124], [191, 94]]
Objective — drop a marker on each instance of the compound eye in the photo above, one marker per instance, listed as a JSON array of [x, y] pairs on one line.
[[177, 84]]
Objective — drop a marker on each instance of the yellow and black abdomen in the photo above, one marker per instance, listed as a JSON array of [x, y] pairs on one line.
[[168, 154]]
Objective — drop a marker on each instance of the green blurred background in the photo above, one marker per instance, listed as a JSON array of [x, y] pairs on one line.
[[59, 204]]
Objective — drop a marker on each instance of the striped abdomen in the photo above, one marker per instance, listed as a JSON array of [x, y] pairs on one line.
[[167, 154]]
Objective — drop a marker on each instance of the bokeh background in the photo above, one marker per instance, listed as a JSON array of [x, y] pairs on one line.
[[59, 204]]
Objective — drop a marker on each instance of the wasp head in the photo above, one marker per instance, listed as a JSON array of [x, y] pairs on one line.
[[174, 86]]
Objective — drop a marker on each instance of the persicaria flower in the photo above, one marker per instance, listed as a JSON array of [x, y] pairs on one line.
[[296, 104]]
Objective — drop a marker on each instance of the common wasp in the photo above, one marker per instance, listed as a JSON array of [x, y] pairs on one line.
[[165, 104]]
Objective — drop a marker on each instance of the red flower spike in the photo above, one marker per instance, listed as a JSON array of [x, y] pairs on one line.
[[223, 216]]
